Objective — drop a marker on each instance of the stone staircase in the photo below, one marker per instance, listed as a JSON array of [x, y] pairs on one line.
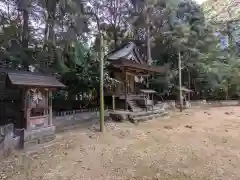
[[159, 105], [158, 110], [133, 105], [138, 113]]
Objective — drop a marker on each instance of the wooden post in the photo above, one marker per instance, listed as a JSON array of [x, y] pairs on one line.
[[101, 54], [147, 84], [50, 108], [28, 107], [113, 102], [180, 81], [125, 90], [24, 108], [189, 85], [152, 102]]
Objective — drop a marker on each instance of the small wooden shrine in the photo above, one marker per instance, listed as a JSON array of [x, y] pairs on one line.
[[186, 101], [26, 102], [126, 65]]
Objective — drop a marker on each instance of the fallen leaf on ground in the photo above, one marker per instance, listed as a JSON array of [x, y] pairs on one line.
[[168, 127], [188, 126]]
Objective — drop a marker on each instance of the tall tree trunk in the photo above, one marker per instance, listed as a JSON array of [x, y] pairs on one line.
[[49, 32], [229, 31], [148, 41], [115, 38], [25, 28], [24, 9], [46, 33], [226, 92], [51, 21]]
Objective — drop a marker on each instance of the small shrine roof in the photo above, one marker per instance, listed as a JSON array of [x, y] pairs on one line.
[[35, 79], [128, 57]]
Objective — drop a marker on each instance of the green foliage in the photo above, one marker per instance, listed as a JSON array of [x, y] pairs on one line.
[[63, 39], [82, 70]]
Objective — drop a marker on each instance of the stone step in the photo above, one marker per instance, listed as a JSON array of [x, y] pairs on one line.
[[147, 117], [146, 113], [134, 106]]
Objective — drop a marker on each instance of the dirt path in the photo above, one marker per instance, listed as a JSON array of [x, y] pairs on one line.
[[198, 144]]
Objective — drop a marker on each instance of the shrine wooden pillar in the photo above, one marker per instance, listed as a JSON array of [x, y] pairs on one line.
[[27, 108], [113, 102], [113, 98], [147, 81], [24, 108], [50, 123], [125, 90]]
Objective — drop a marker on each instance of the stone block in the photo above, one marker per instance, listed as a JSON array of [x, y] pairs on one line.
[[16, 142], [39, 136], [46, 139], [39, 133], [31, 143]]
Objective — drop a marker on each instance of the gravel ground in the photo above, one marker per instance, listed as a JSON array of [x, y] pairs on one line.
[[196, 144]]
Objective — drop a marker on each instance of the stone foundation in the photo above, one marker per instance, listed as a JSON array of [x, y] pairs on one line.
[[204, 103], [39, 136]]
